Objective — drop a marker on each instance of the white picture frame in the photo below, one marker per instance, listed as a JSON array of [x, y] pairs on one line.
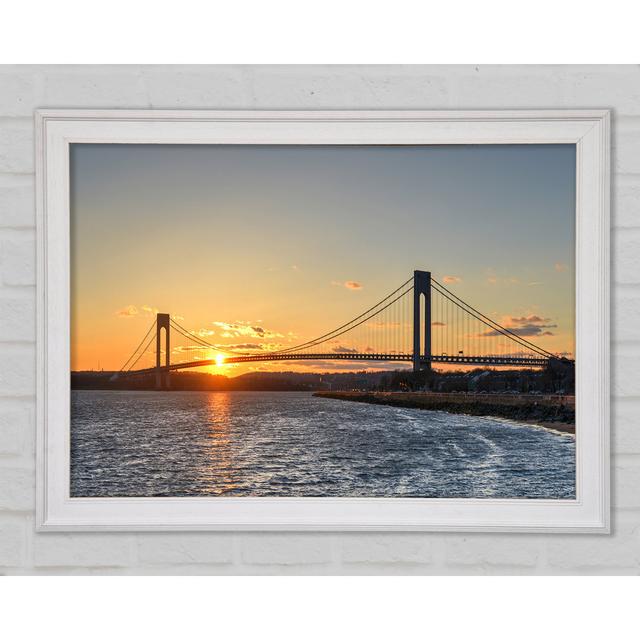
[[587, 129]]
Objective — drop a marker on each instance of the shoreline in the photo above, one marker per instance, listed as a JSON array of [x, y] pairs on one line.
[[550, 412]]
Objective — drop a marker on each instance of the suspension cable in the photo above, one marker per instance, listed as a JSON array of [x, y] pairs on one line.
[[328, 335], [488, 322], [141, 353], [500, 330], [153, 324], [336, 335], [201, 341], [493, 321]]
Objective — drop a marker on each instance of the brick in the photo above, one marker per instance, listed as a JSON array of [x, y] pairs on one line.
[[625, 315], [185, 548], [626, 482], [496, 550], [487, 88], [625, 211], [116, 87], [82, 550], [18, 257], [17, 201], [602, 86], [206, 88], [621, 549], [626, 256], [386, 548], [17, 318], [19, 93], [17, 370], [16, 428], [317, 87], [17, 489], [12, 542], [625, 373], [285, 549], [625, 425], [625, 148], [16, 146]]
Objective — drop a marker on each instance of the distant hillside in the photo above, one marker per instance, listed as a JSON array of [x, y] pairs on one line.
[[256, 381]]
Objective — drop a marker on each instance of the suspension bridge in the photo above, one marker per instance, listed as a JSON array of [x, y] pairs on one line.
[[421, 322]]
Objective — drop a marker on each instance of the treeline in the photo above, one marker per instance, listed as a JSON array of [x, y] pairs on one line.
[[557, 377]]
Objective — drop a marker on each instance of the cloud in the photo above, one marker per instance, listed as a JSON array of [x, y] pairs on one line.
[[344, 350], [438, 324], [129, 311], [188, 347], [533, 284], [531, 325], [242, 345], [247, 329], [451, 279], [527, 320], [560, 267], [349, 284], [346, 366], [132, 310], [493, 279]]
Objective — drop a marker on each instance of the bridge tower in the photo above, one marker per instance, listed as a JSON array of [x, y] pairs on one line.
[[162, 322], [421, 286]]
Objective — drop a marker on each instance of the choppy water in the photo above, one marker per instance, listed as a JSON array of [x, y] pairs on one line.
[[128, 443]]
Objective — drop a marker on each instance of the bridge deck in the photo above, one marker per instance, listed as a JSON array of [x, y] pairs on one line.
[[362, 357]]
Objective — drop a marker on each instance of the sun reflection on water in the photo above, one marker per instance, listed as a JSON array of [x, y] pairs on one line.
[[219, 444]]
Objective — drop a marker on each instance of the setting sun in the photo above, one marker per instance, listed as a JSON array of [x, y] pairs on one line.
[[219, 359]]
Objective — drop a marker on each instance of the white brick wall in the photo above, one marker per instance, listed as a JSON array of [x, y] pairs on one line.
[[23, 88]]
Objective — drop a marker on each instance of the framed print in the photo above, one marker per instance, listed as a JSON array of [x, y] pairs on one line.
[[334, 320]]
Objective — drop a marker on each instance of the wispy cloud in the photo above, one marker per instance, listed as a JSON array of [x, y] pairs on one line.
[[512, 280], [438, 324], [349, 284], [247, 329], [532, 325], [130, 311], [344, 350], [560, 267], [451, 279], [204, 333]]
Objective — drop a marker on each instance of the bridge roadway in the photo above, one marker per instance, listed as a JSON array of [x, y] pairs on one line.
[[363, 357]]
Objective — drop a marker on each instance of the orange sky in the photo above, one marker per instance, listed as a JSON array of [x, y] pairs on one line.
[[274, 246]]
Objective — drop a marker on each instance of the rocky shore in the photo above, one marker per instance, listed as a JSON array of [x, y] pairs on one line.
[[554, 412]]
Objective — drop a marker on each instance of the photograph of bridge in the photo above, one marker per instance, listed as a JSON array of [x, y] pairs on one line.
[[323, 321]]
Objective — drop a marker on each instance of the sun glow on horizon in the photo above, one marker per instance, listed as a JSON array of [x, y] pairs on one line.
[[219, 359]]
